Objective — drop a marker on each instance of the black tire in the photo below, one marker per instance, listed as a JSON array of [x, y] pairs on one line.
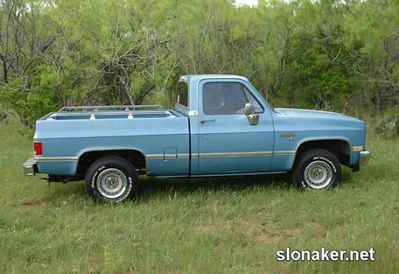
[[316, 169], [111, 179]]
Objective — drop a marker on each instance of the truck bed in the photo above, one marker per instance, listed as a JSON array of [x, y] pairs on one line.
[[152, 130]]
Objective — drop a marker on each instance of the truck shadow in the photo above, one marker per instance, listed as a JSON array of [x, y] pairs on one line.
[[164, 187]]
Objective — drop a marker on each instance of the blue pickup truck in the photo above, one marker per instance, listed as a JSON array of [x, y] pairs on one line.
[[221, 126]]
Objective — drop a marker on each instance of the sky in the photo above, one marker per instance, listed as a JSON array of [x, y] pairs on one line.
[[246, 2]]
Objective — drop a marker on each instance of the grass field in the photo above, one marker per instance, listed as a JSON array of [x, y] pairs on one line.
[[202, 226]]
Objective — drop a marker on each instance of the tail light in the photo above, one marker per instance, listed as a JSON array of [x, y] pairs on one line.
[[38, 148]]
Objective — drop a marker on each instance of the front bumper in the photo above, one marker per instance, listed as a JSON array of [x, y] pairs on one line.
[[30, 167], [364, 157]]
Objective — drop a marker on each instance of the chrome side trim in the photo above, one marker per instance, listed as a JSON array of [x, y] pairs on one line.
[[183, 155], [285, 153], [236, 154], [171, 156], [154, 156], [221, 155], [41, 159]]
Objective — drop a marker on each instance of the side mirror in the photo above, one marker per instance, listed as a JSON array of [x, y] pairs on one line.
[[249, 111]]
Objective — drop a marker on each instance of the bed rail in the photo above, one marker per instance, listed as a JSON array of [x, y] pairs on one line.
[[104, 112], [109, 108]]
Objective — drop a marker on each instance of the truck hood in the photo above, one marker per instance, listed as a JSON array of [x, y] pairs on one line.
[[312, 113]]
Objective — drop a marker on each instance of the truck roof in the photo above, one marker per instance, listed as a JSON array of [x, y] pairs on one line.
[[197, 77]]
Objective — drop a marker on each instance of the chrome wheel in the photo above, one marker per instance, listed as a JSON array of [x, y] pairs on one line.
[[318, 174], [111, 183]]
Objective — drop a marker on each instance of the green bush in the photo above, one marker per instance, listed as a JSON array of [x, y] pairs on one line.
[[388, 125], [29, 106]]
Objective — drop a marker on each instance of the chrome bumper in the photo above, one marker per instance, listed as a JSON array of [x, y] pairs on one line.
[[30, 167], [364, 157]]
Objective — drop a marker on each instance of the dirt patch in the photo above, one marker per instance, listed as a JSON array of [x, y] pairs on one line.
[[129, 271], [260, 209], [317, 227], [265, 213], [202, 228], [293, 232], [266, 238], [34, 204], [339, 227]]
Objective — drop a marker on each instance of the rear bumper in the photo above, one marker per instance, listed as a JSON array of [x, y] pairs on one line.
[[364, 157], [30, 167]]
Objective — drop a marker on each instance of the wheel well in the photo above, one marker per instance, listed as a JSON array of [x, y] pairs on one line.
[[133, 156], [339, 148]]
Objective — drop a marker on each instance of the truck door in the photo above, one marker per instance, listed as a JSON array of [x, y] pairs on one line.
[[227, 142]]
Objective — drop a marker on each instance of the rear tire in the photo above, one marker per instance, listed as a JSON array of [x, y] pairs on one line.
[[317, 169], [111, 179]]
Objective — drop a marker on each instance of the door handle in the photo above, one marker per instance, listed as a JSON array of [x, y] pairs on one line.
[[207, 121]]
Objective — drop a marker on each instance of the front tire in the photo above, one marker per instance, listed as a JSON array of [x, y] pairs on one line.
[[317, 169], [111, 179]]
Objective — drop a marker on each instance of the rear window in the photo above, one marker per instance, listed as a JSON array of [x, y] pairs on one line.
[[182, 94]]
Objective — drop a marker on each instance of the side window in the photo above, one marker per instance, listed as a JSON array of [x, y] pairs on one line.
[[224, 98], [182, 94], [253, 101]]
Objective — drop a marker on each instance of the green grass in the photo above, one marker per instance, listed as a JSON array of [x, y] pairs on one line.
[[200, 226]]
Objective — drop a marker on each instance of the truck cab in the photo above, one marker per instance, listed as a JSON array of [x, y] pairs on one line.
[[223, 140]]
